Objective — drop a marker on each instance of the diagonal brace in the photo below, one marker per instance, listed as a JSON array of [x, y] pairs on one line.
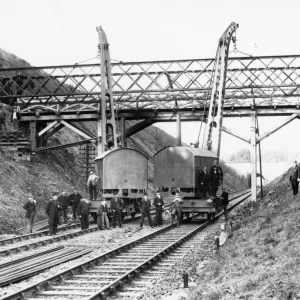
[[77, 130], [227, 130], [270, 132], [51, 125]]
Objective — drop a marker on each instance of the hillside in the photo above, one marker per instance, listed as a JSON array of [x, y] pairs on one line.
[[274, 156], [60, 170], [261, 258]]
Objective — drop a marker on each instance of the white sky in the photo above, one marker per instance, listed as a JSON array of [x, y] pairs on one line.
[[54, 32]]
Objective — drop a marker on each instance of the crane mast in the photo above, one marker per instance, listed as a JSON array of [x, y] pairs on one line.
[[215, 113], [107, 121]]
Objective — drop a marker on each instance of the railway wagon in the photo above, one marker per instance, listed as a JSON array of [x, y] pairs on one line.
[[178, 168], [123, 173]]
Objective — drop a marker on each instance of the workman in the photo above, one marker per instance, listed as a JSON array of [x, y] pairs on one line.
[[294, 178], [158, 203], [116, 205], [176, 208], [145, 210], [74, 200], [15, 118], [63, 202], [84, 212], [204, 182], [225, 202], [92, 185], [216, 177], [53, 212], [103, 211], [30, 208]]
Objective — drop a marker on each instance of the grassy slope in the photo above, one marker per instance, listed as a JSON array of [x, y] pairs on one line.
[[261, 259]]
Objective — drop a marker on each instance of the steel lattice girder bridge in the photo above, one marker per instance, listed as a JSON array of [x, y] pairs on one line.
[[268, 83]]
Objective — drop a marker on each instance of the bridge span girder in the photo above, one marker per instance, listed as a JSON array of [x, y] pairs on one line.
[[270, 80]]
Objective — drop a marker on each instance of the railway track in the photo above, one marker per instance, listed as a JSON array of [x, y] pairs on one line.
[[6, 250], [104, 274]]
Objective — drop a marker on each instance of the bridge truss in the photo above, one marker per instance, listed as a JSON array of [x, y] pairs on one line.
[[267, 82]]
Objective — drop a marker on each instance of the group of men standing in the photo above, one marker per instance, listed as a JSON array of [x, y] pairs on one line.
[[209, 183], [57, 209]]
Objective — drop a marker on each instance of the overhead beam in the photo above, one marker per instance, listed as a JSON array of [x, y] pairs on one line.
[[270, 132]]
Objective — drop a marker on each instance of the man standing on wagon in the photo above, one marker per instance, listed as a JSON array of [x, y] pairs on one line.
[[92, 185]]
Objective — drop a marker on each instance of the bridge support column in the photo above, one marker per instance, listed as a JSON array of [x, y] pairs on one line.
[[123, 132], [253, 152], [178, 127]]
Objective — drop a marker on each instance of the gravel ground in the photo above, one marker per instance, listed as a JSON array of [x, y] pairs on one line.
[[203, 252], [102, 241]]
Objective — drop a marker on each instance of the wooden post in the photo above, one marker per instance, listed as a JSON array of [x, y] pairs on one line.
[[87, 161], [260, 164], [33, 134], [253, 157], [123, 132], [178, 125]]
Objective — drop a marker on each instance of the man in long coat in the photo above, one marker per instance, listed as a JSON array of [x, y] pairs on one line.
[[116, 205], [204, 182], [74, 200], [158, 203], [84, 212], [53, 212], [145, 210], [63, 202]]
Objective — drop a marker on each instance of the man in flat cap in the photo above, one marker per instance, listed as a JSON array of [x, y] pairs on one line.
[[92, 185], [145, 209], [30, 208], [53, 212], [158, 203]]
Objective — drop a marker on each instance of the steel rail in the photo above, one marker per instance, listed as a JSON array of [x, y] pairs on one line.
[[56, 238], [39, 265], [60, 277]]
